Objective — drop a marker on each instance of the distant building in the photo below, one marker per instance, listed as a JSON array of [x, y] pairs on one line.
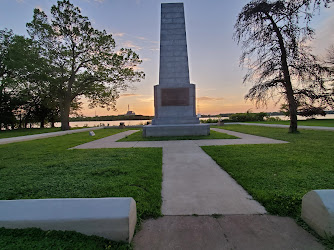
[[130, 112]]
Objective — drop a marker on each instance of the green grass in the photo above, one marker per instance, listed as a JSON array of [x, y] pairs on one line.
[[34, 238], [213, 135], [46, 169], [317, 122], [278, 175]]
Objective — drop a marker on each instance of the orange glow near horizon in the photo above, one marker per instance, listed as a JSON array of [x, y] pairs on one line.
[[145, 106]]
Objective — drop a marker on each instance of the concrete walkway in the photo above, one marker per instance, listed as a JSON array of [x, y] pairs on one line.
[[237, 232], [45, 135], [112, 141], [192, 182]]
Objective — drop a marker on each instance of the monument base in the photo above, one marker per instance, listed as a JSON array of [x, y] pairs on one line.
[[176, 130]]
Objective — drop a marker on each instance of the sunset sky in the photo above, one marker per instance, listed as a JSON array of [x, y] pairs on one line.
[[213, 55]]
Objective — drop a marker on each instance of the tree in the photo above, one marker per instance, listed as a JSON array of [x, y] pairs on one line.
[[7, 100], [275, 50], [82, 61], [22, 76], [330, 62], [17, 64], [304, 110]]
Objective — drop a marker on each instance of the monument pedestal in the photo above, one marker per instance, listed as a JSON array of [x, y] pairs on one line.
[[176, 130]]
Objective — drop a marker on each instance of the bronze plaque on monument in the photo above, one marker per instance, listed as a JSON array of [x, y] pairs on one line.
[[175, 97]]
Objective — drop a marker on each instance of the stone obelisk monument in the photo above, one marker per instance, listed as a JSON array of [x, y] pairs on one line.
[[174, 97]]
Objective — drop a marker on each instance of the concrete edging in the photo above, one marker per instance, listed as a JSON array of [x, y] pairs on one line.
[[111, 218], [318, 211]]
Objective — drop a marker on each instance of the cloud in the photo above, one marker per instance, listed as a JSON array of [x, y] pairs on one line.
[[209, 99], [37, 7], [324, 36], [129, 94], [147, 99], [20, 1], [99, 1], [146, 39], [119, 34], [130, 44]]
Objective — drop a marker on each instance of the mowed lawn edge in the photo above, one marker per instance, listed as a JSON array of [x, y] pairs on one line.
[[310, 122], [45, 168], [213, 135], [278, 175]]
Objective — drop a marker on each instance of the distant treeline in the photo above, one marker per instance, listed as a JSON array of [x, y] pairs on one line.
[[111, 118], [268, 113], [145, 117]]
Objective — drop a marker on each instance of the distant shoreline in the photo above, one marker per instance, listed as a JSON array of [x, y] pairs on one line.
[[143, 117]]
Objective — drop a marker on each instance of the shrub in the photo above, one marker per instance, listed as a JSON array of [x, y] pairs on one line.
[[273, 119], [246, 117], [210, 121]]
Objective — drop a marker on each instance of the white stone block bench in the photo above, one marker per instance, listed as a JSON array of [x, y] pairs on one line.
[[318, 211], [111, 218]]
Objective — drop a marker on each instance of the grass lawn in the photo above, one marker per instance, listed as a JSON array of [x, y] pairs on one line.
[[46, 169], [213, 135], [278, 175], [316, 122], [34, 238]]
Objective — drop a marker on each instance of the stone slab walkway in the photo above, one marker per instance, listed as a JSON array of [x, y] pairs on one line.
[[240, 232]]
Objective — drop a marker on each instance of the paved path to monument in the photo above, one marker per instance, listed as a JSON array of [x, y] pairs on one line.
[[237, 232], [45, 135], [193, 183]]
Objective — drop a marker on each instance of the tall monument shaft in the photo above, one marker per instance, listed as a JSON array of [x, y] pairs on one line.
[[174, 97], [174, 68]]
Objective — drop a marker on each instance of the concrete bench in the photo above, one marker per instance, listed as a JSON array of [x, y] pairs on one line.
[[111, 218], [318, 211]]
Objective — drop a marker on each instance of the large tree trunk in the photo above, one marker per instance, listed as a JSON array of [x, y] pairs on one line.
[[42, 123], [293, 110], [287, 79], [20, 124], [65, 115]]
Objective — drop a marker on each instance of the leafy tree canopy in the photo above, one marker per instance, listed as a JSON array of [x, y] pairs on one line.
[[81, 60]]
